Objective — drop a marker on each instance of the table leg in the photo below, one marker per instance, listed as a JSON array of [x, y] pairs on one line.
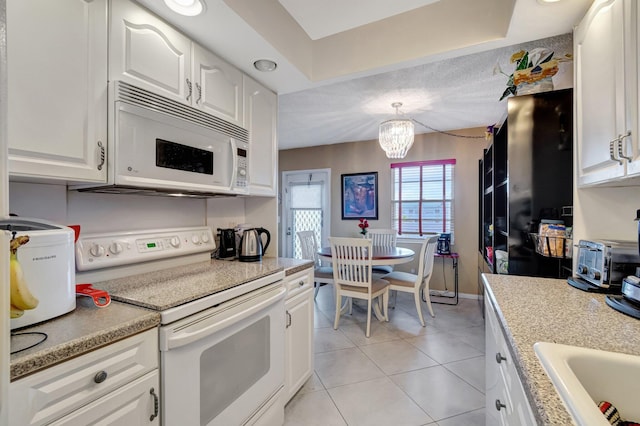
[[454, 261]]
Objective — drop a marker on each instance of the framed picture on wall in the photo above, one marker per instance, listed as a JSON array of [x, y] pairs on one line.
[[360, 195]]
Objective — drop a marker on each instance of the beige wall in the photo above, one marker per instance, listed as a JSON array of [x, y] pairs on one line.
[[356, 157]]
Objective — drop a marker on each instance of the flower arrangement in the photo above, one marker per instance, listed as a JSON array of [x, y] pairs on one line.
[[533, 68], [363, 225]]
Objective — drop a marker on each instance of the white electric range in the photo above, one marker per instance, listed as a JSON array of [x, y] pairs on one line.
[[222, 323]]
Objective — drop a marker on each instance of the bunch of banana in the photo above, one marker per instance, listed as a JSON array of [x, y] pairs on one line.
[[21, 297]]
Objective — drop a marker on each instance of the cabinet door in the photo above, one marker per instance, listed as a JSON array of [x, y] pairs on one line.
[[299, 341], [52, 393], [600, 94], [632, 143], [261, 111], [57, 89], [135, 404], [148, 53], [217, 86]]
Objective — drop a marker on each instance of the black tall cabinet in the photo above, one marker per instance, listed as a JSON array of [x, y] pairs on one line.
[[527, 177]]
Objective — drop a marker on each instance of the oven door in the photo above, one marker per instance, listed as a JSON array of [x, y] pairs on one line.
[[225, 365]]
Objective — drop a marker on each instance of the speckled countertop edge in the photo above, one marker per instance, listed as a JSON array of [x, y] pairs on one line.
[[79, 332], [534, 310]]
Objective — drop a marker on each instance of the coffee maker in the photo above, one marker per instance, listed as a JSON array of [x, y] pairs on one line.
[[444, 244], [227, 247]]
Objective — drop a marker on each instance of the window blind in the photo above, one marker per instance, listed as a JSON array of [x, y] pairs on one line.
[[422, 197]]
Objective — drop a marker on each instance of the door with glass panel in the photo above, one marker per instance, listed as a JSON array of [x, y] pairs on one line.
[[306, 207]]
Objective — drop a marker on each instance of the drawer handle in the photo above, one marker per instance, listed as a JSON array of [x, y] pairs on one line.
[[500, 358], [499, 405], [155, 404], [288, 320], [100, 377]]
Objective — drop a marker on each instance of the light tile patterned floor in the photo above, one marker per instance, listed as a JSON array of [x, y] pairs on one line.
[[404, 374]]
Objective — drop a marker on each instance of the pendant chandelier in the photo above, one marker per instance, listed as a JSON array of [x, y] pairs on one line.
[[396, 136]]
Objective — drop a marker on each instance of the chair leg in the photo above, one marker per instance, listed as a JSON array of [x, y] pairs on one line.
[[416, 296], [385, 305], [427, 298], [338, 308], [368, 318], [315, 294]]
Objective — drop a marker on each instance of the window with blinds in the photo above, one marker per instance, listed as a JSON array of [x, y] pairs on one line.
[[422, 197]]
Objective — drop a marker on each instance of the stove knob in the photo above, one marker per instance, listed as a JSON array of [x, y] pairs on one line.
[[582, 269], [205, 237], [96, 250], [115, 248], [195, 239], [595, 275], [175, 242]]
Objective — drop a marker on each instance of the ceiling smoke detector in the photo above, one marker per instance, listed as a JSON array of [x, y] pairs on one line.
[[265, 65]]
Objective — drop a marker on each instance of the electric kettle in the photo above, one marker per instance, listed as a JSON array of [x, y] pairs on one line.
[[251, 248]]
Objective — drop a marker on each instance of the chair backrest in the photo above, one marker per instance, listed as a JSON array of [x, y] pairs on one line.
[[427, 251], [351, 259], [308, 245], [383, 237]]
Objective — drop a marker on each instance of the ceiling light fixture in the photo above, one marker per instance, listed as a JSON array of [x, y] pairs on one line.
[[396, 135], [186, 7], [548, 1], [265, 65]]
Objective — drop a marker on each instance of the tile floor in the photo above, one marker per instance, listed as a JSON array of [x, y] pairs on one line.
[[403, 374]]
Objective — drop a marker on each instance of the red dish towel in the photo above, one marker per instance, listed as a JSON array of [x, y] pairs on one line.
[[611, 413]]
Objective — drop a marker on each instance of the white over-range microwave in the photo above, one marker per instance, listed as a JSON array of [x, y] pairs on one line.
[[158, 146]]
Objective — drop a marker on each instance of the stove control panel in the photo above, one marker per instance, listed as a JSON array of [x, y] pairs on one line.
[[96, 251]]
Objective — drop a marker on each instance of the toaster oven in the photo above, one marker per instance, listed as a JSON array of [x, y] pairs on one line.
[[604, 263]]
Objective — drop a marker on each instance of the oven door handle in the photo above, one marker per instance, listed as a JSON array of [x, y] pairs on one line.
[[181, 335]]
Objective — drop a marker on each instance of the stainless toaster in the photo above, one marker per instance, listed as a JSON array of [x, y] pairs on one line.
[[603, 263]]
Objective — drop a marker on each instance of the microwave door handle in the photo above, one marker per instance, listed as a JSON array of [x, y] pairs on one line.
[[234, 157]]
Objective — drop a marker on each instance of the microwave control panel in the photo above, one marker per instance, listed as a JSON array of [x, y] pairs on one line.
[[241, 170], [116, 249]]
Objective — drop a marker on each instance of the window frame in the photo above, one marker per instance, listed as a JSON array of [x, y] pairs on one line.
[[395, 199]]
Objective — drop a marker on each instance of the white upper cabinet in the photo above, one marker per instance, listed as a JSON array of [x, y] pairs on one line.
[[261, 115], [606, 93], [148, 53], [57, 89], [217, 86]]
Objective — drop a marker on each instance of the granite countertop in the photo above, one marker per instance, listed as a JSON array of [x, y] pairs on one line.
[[88, 327], [167, 288], [534, 310], [77, 332]]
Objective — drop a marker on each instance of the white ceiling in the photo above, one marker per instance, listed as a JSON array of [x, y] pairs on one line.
[[340, 67]]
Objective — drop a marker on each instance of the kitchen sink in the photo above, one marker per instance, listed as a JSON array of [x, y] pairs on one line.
[[583, 377]]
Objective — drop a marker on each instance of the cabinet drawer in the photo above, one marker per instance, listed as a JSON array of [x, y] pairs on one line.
[[299, 282], [52, 393]]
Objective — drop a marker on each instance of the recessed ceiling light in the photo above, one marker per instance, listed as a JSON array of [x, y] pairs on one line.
[[186, 7], [547, 1], [265, 65]]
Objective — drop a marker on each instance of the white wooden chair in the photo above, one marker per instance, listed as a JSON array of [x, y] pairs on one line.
[[384, 238], [412, 283], [322, 275], [353, 277]]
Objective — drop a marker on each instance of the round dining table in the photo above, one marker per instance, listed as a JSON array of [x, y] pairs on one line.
[[380, 255]]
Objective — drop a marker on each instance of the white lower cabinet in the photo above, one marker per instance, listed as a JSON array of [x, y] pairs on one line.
[[505, 403], [114, 385], [299, 333]]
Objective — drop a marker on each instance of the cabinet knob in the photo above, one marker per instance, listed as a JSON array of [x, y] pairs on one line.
[[100, 376], [500, 358], [300, 283], [499, 405]]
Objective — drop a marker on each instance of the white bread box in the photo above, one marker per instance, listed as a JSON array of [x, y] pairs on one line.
[[48, 263]]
